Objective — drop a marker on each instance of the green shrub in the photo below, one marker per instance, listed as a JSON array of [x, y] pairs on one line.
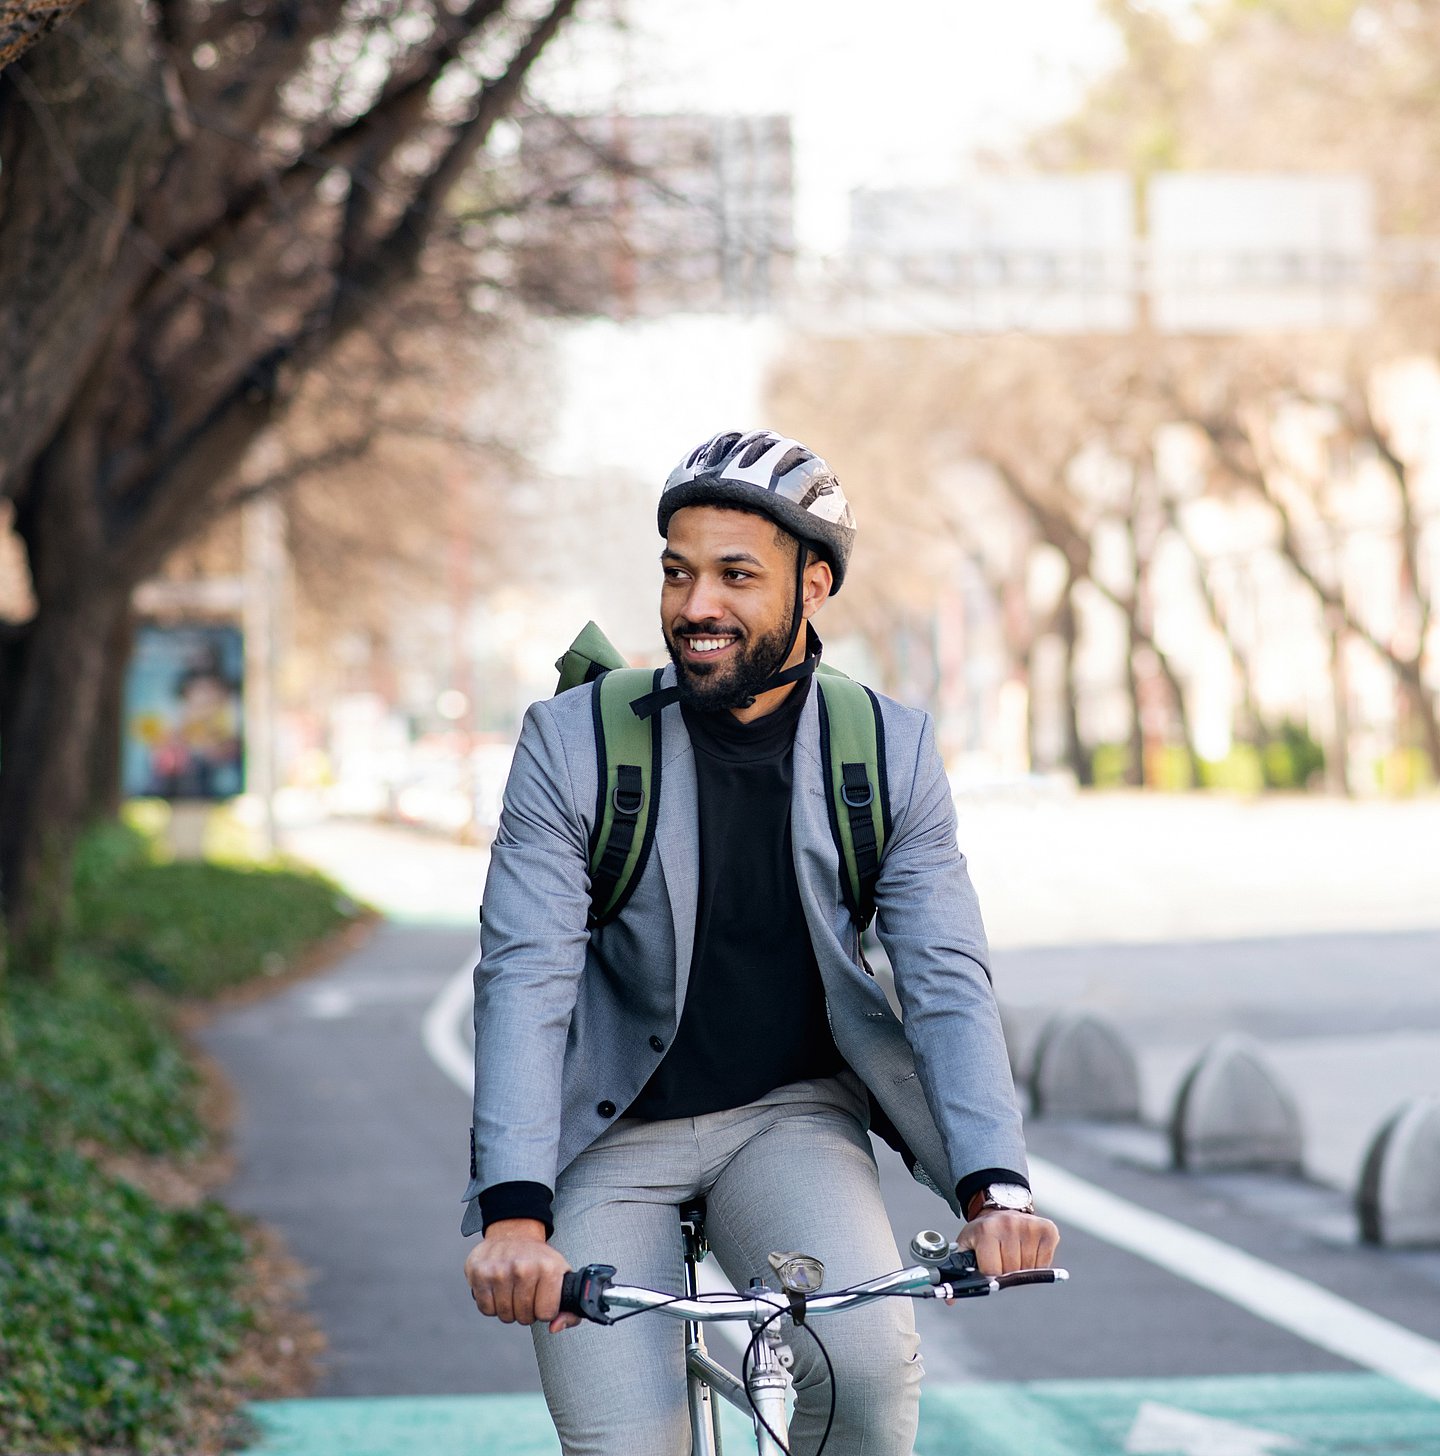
[[194, 928], [1109, 763], [117, 1313], [1404, 771], [100, 1064], [1292, 758], [1240, 771]]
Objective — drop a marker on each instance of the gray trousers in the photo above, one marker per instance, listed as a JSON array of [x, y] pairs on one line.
[[791, 1172]]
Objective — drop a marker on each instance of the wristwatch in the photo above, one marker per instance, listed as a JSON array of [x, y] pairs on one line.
[[1013, 1197]]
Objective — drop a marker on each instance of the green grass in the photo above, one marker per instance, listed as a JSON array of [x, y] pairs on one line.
[[117, 1314]]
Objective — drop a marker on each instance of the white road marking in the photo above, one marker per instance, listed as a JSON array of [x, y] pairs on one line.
[[1275, 1295], [329, 1003], [1166, 1430], [441, 1030]]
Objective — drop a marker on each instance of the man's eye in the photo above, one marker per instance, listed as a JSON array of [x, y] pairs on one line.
[[735, 574]]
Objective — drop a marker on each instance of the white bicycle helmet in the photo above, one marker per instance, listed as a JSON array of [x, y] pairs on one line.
[[763, 471]]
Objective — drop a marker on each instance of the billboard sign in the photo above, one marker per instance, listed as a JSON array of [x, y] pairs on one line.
[[1044, 254], [183, 733], [1251, 252]]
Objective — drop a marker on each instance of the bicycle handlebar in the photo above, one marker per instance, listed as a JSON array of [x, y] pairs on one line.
[[591, 1293]]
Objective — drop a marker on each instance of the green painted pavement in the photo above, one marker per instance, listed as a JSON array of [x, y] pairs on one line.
[[1245, 1415]]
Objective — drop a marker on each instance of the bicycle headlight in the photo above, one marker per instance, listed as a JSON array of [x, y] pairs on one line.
[[798, 1273]]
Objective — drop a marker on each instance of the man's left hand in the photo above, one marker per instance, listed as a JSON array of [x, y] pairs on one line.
[[1004, 1241]]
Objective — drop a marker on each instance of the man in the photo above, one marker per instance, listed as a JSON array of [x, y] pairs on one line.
[[722, 1036]]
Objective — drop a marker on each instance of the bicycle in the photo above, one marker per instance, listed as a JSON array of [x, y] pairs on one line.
[[946, 1272]]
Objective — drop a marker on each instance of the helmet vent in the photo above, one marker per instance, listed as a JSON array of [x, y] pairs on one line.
[[755, 450], [791, 459]]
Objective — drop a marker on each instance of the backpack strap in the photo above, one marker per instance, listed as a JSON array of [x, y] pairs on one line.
[[852, 745], [627, 776]]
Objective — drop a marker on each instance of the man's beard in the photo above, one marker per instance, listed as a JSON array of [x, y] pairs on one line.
[[735, 683]]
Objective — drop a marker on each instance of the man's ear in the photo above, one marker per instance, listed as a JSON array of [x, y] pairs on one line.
[[818, 581]]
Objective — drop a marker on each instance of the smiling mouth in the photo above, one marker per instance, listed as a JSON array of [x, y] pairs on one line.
[[706, 647]]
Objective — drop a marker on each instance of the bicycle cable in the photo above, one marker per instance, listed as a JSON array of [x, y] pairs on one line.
[[748, 1356]]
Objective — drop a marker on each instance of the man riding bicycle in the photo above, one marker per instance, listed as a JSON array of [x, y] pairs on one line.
[[721, 1036]]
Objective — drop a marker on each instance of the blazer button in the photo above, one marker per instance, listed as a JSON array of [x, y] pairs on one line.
[[605, 1108], [656, 1045]]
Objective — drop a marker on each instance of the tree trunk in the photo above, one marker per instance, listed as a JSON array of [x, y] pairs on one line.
[[1135, 759], [1337, 756], [1422, 705], [1076, 754], [50, 687], [104, 798]]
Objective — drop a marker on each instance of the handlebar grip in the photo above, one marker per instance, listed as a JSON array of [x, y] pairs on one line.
[[570, 1294], [582, 1292], [1030, 1276]]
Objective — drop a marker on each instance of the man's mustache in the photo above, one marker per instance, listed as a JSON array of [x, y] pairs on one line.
[[705, 629]]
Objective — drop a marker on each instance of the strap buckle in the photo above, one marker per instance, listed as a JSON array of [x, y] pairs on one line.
[[627, 801]]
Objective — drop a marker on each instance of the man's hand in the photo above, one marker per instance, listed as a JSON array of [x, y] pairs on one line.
[[515, 1275], [1004, 1241]]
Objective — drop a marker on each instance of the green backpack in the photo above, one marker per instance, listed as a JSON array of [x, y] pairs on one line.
[[852, 740]]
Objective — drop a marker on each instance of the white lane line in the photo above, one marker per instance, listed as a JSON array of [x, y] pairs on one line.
[[441, 1029], [1283, 1299], [1275, 1295]]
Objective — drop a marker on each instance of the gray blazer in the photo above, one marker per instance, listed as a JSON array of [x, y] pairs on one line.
[[565, 1016]]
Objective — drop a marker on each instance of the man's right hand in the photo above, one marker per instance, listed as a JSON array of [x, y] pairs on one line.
[[515, 1275]]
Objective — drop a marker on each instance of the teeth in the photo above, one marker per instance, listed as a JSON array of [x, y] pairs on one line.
[[709, 644]]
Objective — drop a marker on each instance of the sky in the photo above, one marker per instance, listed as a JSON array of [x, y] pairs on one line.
[[900, 92]]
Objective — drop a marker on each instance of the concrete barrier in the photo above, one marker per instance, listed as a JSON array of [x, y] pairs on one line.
[[1398, 1201], [1083, 1067], [1232, 1111]]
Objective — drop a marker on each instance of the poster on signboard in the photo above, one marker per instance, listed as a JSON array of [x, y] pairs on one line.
[[184, 713]]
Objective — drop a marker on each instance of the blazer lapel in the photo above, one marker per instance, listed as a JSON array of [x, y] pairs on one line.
[[677, 836]]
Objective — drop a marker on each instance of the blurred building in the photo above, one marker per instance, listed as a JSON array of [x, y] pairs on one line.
[[648, 215]]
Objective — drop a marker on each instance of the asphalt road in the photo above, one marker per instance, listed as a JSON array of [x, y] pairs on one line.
[[353, 1143], [352, 1140]]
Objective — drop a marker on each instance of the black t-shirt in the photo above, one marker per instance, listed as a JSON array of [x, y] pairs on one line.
[[754, 1017]]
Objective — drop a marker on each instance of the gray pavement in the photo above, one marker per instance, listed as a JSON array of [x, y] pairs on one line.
[[352, 1142]]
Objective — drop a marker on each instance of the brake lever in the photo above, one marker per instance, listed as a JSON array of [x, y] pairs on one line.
[[959, 1277]]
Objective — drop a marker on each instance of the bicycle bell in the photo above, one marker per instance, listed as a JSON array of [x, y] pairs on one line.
[[930, 1247]]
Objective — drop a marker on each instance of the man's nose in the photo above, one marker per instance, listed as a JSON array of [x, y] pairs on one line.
[[705, 600]]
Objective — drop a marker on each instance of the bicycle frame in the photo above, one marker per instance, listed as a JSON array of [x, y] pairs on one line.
[[765, 1403], [705, 1378]]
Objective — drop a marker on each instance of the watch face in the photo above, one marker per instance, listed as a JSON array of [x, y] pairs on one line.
[[1010, 1195]]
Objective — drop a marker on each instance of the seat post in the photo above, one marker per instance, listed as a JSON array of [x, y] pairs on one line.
[[704, 1410]]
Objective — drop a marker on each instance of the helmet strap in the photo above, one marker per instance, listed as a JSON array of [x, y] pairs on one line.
[[787, 675], [653, 702]]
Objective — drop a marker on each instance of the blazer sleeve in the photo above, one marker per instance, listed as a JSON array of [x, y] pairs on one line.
[[928, 919], [533, 941]]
